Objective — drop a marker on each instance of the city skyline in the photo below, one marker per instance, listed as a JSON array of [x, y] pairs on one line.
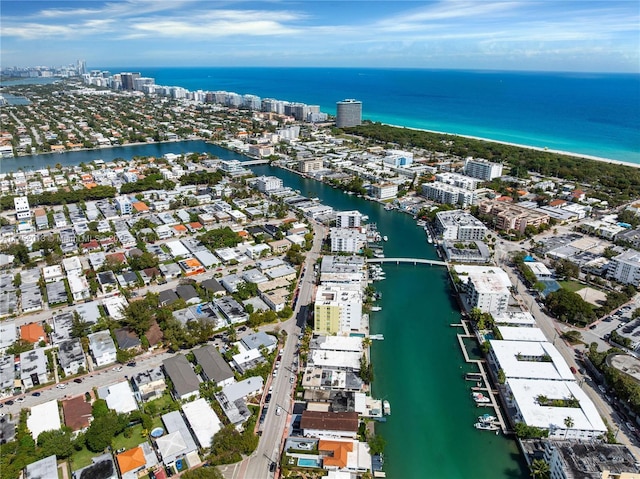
[[494, 35]]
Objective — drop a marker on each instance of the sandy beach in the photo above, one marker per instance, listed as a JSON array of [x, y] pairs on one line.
[[536, 148]]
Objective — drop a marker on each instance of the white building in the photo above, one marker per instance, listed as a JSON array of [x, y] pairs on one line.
[[456, 179], [102, 347], [625, 268], [266, 184], [203, 421], [21, 205], [460, 225], [398, 158], [384, 191], [529, 360], [338, 308], [482, 169], [448, 194], [348, 219], [578, 418], [123, 204], [486, 288], [346, 240]]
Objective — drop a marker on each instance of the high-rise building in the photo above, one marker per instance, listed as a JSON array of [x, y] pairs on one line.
[[348, 113], [128, 80], [483, 169], [81, 67]]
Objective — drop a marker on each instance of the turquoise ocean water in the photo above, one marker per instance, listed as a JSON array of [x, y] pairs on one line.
[[587, 113]]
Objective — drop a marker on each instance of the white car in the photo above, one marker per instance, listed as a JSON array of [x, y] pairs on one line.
[[278, 411], [61, 386], [117, 369], [20, 399]]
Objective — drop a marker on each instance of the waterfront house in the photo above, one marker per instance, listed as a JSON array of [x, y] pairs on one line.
[[329, 425]]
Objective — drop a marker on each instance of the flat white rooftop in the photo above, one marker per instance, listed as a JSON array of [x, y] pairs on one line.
[[525, 394], [515, 333], [44, 417], [486, 279], [524, 318], [203, 421], [337, 343], [531, 360], [336, 359]]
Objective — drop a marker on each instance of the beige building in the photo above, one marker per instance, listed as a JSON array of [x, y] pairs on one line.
[[309, 166], [508, 216]]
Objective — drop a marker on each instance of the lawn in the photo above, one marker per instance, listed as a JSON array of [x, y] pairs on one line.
[[120, 441], [163, 404], [82, 458], [571, 285]]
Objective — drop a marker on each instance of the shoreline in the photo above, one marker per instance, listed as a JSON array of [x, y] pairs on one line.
[[528, 147]]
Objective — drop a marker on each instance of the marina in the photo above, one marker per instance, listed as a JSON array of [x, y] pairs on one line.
[[482, 393]]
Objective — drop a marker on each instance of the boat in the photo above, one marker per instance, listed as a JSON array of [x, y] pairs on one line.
[[378, 337], [388, 207], [472, 376], [385, 238], [480, 398], [376, 308], [483, 426], [488, 418], [421, 223], [386, 408]]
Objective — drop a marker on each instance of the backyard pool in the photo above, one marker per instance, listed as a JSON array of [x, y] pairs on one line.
[[303, 462]]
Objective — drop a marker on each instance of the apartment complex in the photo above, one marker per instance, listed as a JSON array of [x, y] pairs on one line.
[[507, 216]]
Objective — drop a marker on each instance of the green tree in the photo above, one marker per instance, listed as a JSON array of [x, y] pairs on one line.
[[58, 442], [103, 429], [19, 346], [539, 469]]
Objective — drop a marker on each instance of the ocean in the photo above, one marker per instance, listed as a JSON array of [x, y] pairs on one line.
[[587, 113]]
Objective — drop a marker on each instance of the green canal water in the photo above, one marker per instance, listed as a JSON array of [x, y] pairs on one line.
[[419, 367]]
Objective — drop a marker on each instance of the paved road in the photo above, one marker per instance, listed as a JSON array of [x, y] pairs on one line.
[[95, 379], [275, 426]]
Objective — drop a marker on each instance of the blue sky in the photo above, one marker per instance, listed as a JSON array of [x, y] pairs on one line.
[[555, 35]]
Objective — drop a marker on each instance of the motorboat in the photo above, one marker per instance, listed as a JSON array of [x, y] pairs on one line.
[[488, 418], [480, 398], [386, 408], [485, 426]]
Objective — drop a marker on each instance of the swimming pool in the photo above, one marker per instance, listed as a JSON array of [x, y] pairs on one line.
[[303, 462]]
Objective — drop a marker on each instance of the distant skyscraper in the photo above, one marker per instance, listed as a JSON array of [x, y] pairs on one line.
[[82, 67], [349, 113], [128, 80]]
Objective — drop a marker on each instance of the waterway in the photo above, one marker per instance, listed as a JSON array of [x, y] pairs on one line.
[[418, 367]]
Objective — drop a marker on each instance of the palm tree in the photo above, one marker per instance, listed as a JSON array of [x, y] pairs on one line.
[[539, 469], [568, 422]]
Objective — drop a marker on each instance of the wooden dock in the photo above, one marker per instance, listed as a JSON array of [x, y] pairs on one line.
[[482, 377]]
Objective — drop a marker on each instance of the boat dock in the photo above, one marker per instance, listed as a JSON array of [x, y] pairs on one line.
[[481, 378]]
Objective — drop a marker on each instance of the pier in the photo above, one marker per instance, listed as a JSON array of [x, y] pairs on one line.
[[481, 378]]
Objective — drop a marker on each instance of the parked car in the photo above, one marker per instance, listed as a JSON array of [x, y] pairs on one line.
[[77, 380], [35, 394], [573, 370], [131, 364], [9, 402], [61, 386], [20, 399], [278, 411]]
